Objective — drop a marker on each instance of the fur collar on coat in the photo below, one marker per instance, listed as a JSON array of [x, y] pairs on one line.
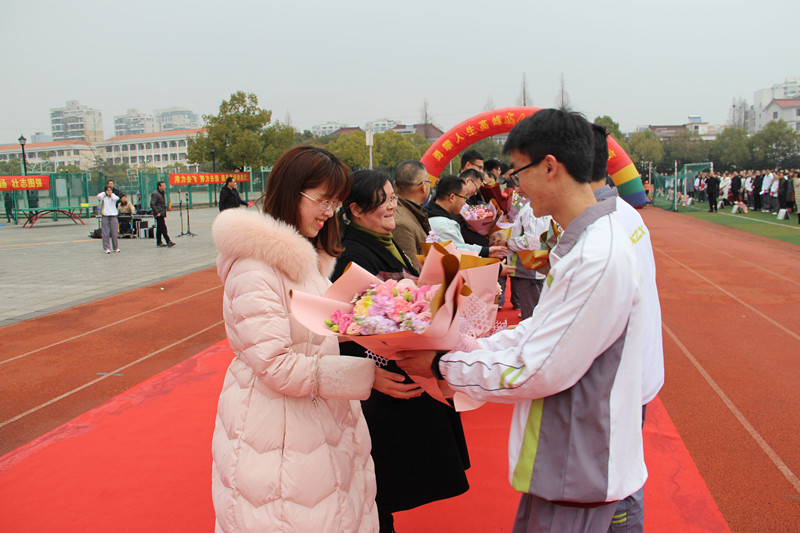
[[241, 234]]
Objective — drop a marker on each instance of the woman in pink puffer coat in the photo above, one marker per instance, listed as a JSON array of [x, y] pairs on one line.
[[290, 447]]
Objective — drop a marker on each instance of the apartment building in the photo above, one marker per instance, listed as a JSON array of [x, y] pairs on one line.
[[76, 122], [133, 123]]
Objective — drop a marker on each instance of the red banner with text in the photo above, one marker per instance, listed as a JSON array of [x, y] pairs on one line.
[[25, 183], [207, 178]]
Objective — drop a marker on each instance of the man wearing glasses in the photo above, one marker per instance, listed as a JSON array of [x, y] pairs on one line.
[[413, 185], [443, 215], [574, 368], [472, 159]]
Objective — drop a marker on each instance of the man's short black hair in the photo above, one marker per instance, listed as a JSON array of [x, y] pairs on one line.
[[470, 156], [566, 135], [600, 153], [491, 165], [471, 174], [448, 185], [229, 179]]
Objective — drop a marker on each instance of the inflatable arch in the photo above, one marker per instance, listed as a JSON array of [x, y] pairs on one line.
[[490, 123]]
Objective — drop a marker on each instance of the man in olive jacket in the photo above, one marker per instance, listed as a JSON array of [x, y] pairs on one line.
[[158, 204], [412, 185]]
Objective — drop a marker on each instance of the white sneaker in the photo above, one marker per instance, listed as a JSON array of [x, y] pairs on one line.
[[117, 250], [108, 251]]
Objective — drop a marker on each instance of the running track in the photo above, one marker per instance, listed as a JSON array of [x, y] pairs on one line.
[[731, 333]]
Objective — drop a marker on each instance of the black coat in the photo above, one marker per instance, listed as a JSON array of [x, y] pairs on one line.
[[418, 445], [158, 203], [229, 198]]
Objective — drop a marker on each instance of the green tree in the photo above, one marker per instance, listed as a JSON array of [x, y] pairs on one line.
[[489, 148], [391, 148], [420, 144], [684, 147], [241, 135], [613, 129], [731, 149], [776, 145], [352, 149], [645, 146]]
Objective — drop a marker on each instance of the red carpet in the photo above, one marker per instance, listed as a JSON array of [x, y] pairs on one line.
[[142, 461]]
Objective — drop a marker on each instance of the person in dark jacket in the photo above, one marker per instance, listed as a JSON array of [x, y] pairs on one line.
[[712, 190], [229, 195], [418, 443], [158, 204]]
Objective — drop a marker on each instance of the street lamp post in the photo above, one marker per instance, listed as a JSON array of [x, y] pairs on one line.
[[213, 158], [22, 140]]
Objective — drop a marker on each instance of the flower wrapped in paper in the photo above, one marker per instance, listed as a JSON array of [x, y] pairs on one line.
[[501, 198], [439, 330], [480, 218], [539, 260]]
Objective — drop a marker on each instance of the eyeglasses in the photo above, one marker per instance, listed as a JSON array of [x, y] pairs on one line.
[[423, 181], [324, 205], [515, 173], [391, 200], [464, 197]]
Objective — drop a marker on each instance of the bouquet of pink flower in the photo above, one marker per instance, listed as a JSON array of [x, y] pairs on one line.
[[480, 218], [386, 308], [387, 317]]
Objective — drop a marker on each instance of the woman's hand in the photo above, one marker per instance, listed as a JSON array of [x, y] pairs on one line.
[[392, 385]]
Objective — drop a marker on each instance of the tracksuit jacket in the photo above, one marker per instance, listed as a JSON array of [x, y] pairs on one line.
[[573, 370]]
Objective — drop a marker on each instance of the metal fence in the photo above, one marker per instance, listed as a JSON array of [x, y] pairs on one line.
[[676, 191]]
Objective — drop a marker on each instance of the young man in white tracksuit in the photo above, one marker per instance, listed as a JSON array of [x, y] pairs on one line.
[[629, 517], [573, 370]]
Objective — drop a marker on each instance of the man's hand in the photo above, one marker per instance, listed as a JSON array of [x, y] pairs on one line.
[[392, 385], [498, 251], [250, 204], [507, 270], [417, 362]]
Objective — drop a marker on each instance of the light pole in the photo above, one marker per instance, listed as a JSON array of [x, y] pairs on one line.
[[22, 140], [213, 158]]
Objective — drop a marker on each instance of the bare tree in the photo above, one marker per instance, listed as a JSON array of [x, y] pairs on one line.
[[737, 117], [425, 117], [489, 104], [562, 100], [524, 98]]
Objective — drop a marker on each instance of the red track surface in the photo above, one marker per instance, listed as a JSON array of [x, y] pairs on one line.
[[730, 341]]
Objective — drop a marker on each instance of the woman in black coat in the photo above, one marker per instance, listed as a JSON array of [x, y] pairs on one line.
[[418, 443]]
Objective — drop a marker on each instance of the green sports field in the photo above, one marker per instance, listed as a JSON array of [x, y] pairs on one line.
[[754, 222]]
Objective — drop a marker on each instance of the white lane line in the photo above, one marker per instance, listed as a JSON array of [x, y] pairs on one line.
[[108, 375], [759, 267], [733, 296], [787, 473], [107, 326]]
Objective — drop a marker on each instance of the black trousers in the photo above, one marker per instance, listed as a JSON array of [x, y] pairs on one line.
[[161, 229]]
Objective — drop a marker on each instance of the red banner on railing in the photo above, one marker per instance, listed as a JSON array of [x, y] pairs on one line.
[[206, 178], [25, 183]]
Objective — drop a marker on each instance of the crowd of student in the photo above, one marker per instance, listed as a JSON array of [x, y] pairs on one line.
[[315, 436], [768, 191]]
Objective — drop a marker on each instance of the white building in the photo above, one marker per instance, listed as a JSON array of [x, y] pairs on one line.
[[133, 123], [76, 122], [381, 125], [789, 89], [320, 130], [176, 118], [786, 109], [47, 157], [155, 150]]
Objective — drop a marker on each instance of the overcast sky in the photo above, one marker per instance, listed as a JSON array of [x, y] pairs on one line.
[[348, 61]]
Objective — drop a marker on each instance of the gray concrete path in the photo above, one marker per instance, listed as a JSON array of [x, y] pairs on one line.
[[56, 265]]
